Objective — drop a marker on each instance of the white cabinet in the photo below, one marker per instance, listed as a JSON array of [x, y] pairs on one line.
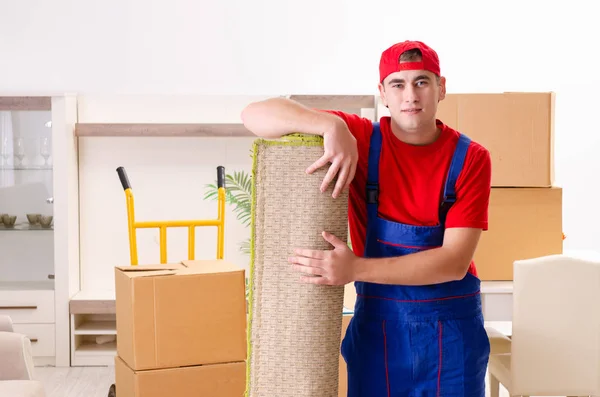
[[26, 221], [42, 338], [39, 266], [28, 306], [32, 313]]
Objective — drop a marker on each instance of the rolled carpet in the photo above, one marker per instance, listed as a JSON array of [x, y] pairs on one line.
[[294, 327]]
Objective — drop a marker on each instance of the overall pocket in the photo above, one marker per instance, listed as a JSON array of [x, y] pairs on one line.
[[378, 358], [450, 357]]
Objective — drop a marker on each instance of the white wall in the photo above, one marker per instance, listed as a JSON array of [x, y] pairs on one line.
[[273, 47]]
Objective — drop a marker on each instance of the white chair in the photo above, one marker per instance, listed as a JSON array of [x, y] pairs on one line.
[[16, 364], [554, 349]]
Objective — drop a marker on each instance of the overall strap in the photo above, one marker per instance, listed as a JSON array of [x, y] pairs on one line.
[[373, 172], [458, 160]]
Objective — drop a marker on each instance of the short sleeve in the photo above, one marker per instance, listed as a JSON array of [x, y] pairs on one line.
[[360, 127], [473, 188]]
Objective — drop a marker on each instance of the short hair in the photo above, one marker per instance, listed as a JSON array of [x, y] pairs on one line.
[[414, 55]]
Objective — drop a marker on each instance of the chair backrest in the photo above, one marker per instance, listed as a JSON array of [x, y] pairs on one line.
[[556, 326], [6, 324]]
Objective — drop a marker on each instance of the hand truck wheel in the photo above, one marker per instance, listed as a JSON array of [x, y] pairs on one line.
[[112, 391]]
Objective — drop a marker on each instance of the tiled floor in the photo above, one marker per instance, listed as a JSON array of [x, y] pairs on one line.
[[76, 381], [89, 381]]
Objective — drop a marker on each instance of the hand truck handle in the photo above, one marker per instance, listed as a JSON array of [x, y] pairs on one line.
[[123, 177], [220, 176]]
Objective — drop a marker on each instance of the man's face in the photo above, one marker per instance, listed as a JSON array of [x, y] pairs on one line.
[[412, 97]]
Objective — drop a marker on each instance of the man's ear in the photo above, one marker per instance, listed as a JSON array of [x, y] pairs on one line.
[[382, 94], [442, 85]]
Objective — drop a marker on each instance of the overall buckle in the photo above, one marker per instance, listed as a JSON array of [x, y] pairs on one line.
[[450, 198], [447, 202], [372, 193]]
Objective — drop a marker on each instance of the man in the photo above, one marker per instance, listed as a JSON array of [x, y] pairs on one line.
[[419, 194]]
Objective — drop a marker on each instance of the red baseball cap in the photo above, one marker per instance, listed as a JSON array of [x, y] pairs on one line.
[[390, 59]]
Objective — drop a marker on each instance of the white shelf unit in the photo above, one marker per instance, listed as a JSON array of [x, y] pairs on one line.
[[93, 328], [91, 324], [30, 305], [38, 306]]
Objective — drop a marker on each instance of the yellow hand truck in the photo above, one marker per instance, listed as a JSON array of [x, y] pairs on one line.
[[133, 225]]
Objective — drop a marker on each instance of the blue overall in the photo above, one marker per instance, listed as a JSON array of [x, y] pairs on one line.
[[414, 341]]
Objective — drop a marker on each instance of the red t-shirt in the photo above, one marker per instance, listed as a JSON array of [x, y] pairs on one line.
[[412, 179]]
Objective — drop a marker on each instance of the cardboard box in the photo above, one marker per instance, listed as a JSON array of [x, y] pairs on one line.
[[181, 314], [343, 374], [517, 129], [523, 223], [218, 380]]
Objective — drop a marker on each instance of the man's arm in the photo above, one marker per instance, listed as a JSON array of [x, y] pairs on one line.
[[275, 117], [465, 222], [449, 262]]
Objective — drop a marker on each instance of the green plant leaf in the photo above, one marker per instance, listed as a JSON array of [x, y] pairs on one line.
[[245, 246], [238, 193]]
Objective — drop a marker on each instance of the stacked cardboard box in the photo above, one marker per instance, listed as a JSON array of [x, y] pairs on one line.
[[525, 211], [181, 330]]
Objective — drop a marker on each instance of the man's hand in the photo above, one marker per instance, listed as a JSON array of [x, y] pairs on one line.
[[341, 151], [275, 117], [333, 267]]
